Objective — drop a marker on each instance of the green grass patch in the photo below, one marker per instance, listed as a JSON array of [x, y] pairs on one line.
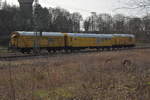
[[3, 49]]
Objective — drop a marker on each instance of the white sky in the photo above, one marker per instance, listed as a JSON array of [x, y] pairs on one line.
[[86, 6]]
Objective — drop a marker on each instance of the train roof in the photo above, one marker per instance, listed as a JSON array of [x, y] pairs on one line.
[[90, 35], [26, 33], [124, 35], [99, 35]]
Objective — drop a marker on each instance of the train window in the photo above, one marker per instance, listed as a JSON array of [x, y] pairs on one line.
[[98, 40], [50, 40]]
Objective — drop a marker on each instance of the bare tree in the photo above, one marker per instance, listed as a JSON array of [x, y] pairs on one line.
[[146, 25], [87, 24], [76, 19], [136, 25], [107, 22], [135, 4], [143, 5], [118, 23], [0, 4], [100, 24]]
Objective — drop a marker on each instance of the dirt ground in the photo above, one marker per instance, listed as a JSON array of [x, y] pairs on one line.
[[116, 75]]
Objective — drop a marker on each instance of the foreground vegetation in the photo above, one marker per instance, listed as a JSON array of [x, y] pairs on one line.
[[113, 75]]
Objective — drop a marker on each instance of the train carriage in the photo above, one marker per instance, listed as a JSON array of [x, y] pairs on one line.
[[27, 41], [123, 40], [81, 41]]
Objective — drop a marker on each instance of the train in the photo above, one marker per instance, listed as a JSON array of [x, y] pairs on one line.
[[26, 42]]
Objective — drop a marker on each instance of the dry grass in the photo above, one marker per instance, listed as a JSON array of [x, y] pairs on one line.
[[96, 76]]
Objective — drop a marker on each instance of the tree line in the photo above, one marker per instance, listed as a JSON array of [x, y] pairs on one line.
[[61, 20]]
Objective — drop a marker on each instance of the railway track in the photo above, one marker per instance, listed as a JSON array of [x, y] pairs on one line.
[[17, 56]]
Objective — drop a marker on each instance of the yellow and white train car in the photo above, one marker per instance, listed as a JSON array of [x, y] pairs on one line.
[[82, 40], [123, 40], [26, 41]]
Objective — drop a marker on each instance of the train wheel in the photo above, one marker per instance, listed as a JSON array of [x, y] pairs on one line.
[[66, 50], [71, 50], [107, 49], [28, 51], [49, 51], [37, 51], [102, 49], [54, 51], [116, 48], [98, 49], [22, 51], [110, 49]]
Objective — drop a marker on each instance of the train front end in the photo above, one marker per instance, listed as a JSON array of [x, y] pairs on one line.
[[13, 41]]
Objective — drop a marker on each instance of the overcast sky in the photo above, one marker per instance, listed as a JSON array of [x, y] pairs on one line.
[[86, 6]]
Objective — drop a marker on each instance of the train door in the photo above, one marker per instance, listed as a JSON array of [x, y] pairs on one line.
[[66, 41]]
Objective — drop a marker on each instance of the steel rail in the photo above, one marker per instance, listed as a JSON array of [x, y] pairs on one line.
[[3, 49], [18, 56]]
